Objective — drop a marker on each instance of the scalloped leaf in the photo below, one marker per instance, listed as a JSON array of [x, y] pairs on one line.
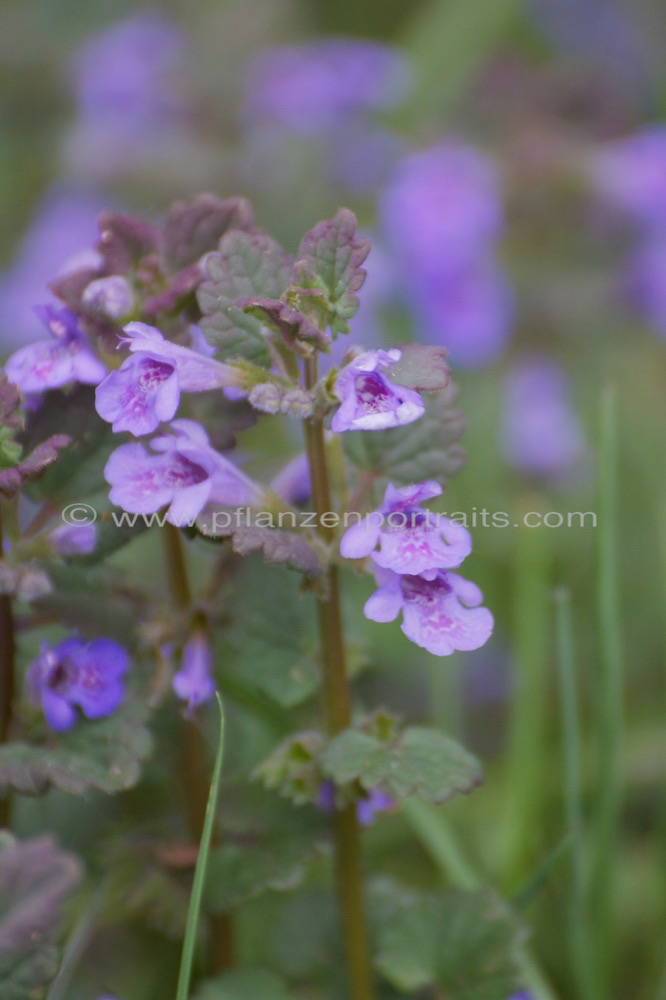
[[418, 761], [464, 943], [195, 226], [105, 754], [276, 546], [248, 265], [273, 634], [425, 449], [36, 877], [329, 260], [422, 368], [244, 984]]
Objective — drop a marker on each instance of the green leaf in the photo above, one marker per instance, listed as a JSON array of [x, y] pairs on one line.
[[425, 449], [293, 769], [421, 367], [244, 984], [247, 265], [418, 761], [35, 879], [329, 260], [276, 546], [464, 943], [237, 874], [273, 633], [104, 753]]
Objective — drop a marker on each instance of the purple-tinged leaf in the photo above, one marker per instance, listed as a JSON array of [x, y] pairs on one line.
[[174, 298], [10, 402], [194, 227], [43, 455], [123, 240], [36, 877], [275, 545], [329, 259], [289, 323], [247, 266], [421, 367]]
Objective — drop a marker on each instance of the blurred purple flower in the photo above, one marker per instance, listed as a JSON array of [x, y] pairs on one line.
[[370, 401], [372, 802], [646, 281], [129, 110], [145, 391], [51, 364], [184, 475], [441, 614], [411, 540], [540, 433], [74, 539], [467, 307], [292, 483], [64, 227], [310, 88], [76, 673], [630, 174], [442, 205], [194, 682]]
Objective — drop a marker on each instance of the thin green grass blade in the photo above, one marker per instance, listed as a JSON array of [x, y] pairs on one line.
[[609, 718], [194, 909], [521, 899], [578, 925], [527, 755], [77, 944]]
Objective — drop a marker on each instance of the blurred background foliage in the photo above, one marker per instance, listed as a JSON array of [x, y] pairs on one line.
[[538, 87]]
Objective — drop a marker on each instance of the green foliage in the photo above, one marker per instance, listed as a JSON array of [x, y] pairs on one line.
[[35, 879], [293, 767], [425, 449], [418, 761], [247, 265], [464, 943], [329, 261], [276, 546], [421, 367], [239, 873], [244, 984], [105, 754], [273, 633]]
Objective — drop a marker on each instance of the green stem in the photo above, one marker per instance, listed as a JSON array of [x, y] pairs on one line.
[[194, 761], [337, 713], [609, 729], [7, 676]]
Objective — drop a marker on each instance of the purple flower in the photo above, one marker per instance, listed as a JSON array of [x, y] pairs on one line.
[[541, 433], [372, 802], [442, 203], [411, 540], [145, 391], [467, 306], [76, 673], [51, 364], [441, 614], [370, 401], [312, 87], [630, 174], [194, 683], [184, 474], [74, 539], [646, 281], [292, 483]]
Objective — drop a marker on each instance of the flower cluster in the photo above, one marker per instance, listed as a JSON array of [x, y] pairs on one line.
[[413, 550], [442, 217], [630, 176]]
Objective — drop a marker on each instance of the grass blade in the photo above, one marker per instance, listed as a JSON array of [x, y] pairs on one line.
[[194, 909], [578, 926]]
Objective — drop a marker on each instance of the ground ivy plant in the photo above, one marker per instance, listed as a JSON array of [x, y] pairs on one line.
[[123, 431]]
